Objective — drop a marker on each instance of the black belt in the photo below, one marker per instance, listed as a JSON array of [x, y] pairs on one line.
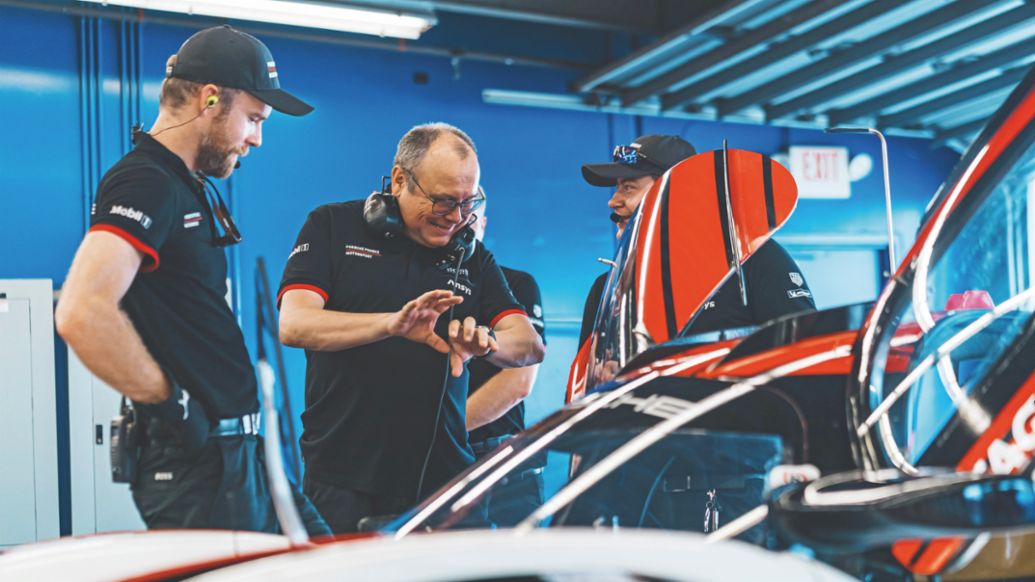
[[244, 425], [485, 445]]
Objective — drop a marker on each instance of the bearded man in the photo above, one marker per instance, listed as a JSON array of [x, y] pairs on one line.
[[144, 305]]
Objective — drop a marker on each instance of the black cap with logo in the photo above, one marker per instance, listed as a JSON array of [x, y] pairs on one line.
[[649, 155], [231, 58]]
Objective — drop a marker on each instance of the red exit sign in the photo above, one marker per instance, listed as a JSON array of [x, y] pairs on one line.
[[821, 172]]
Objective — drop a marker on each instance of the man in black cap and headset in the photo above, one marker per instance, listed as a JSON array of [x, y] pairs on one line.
[[144, 304], [774, 281]]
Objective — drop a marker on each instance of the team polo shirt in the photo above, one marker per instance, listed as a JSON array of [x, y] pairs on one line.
[[177, 302], [775, 287], [526, 291], [370, 410]]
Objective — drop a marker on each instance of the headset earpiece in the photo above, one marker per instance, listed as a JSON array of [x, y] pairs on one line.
[[211, 101], [381, 212]]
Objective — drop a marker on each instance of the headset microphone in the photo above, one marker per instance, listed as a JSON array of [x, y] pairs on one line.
[[616, 218]]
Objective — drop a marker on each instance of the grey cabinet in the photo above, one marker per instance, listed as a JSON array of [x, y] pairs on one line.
[[28, 417], [98, 505]]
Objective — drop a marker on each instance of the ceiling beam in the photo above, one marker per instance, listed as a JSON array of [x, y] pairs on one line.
[[913, 114], [966, 129], [626, 15], [308, 35], [778, 51], [749, 40], [642, 57], [956, 74], [840, 60], [904, 61]]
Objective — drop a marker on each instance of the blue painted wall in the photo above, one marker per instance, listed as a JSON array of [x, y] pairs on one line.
[[69, 108]]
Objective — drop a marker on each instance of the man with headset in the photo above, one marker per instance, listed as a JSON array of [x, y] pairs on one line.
[[774, 281], [363, 292], [144, 304]]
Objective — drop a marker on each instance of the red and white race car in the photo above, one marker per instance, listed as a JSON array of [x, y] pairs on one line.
[[918, 411]]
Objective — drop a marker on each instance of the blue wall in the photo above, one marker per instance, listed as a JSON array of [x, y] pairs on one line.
[[69, 108]]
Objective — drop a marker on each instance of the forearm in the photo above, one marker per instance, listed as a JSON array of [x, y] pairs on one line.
[[519, 346], [105, 340], [329, 331], [498, 395]]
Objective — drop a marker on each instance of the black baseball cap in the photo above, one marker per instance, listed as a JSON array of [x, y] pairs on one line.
[[227, 57], [649, 155]]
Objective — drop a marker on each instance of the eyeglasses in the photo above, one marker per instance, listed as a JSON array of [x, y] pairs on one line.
[[629, 155], [231, 235], [444, 206]]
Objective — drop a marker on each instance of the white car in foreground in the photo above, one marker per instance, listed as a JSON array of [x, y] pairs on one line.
[[562, 554]]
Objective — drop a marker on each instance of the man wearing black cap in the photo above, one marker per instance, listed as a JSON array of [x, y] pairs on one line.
[[773, 280], [144, 304]]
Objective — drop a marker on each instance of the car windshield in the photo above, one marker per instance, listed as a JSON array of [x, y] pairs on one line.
[[969, 300], [664, 486], [615, 341]]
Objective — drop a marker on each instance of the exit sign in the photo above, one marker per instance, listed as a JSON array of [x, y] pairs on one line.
[[821, 172]]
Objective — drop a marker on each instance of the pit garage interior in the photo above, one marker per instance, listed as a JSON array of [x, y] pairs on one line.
[[542, 87]]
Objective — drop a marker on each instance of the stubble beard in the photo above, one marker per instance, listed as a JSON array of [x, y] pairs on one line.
[[215, 152]]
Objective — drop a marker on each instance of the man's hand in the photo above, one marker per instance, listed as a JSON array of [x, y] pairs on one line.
[[469, 340], [416, 320]]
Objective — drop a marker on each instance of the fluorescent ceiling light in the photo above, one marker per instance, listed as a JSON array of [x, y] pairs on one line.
[[304, 14]]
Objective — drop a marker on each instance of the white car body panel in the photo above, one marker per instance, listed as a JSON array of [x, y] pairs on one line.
[[489, 554], [116, 556]]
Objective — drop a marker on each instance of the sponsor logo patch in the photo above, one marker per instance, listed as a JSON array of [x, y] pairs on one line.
[[271, 68], [302, 248], [796, 293], [466, 289], [132, 214], [796, 278], [358, 251], [163, 476], [537, 310], [191, 219]]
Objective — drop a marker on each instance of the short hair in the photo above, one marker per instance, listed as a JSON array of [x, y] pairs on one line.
[[415, 144], [175, 93]]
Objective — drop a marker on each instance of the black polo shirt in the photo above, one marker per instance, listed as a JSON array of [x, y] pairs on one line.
[[370, 410], [775, 286], [177, 303], [589, 310], [526, 291]]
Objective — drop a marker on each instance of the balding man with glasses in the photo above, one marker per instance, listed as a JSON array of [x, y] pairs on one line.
[[391, 297]]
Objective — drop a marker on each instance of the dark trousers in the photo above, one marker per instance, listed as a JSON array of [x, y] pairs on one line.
[[222, 486], [344, 508], [510, 502]]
